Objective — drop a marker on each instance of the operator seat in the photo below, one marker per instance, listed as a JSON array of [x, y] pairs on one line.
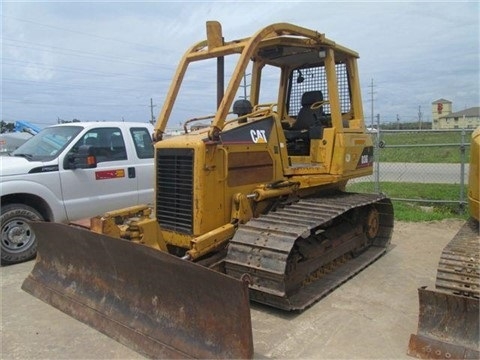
[[307, 118]]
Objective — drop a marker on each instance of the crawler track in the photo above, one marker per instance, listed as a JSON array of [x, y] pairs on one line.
[[299, 253], [459, 266]]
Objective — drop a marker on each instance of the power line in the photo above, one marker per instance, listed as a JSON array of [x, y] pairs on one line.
[[69, 104], [79, 32], [70, 69], [73, 52], [69, 85]]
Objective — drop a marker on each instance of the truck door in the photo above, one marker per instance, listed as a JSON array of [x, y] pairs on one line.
[[111, 185]]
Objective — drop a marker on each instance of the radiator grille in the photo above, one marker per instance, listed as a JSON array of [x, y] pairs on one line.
[[174, 195]]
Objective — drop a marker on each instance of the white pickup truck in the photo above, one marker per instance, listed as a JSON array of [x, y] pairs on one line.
[[69, 172]]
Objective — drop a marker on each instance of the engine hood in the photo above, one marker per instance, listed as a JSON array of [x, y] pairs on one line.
[[16, 165]]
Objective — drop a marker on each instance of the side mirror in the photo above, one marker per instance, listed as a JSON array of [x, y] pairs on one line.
[[83, 159]]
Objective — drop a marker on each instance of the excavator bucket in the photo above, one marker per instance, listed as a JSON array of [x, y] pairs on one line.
[[155, 303]]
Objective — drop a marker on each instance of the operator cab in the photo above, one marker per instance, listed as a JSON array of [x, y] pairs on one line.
[[309, 124]]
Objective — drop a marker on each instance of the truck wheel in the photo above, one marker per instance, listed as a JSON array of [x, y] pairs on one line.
[[18, 239]]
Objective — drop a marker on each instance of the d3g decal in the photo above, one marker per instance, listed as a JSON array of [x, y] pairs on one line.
[[366, 159]]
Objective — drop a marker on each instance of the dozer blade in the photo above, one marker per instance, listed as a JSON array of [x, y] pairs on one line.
[[448, 326], [155, 303], [448, 322]]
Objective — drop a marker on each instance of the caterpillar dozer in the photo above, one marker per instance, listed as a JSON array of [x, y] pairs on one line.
[[250, 203], [449, 321]]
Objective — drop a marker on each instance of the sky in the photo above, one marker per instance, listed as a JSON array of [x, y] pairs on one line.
[[114, 60]]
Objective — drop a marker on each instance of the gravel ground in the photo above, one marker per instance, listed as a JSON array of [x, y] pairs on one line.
[[370, 317]]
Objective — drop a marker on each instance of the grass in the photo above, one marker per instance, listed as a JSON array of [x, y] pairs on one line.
[[430, 154], [415, 211], [426, 206]]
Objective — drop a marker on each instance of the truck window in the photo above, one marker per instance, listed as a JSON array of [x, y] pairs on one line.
[[143, 142], [117, 149], [107, 143], [48, 143]]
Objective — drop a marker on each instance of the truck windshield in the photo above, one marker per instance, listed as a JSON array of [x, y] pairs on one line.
[[48, 143]]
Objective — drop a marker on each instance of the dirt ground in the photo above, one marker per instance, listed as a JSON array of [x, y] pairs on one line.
[[369, 317]]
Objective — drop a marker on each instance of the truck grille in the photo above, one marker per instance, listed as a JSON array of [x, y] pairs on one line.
[[174, 195]]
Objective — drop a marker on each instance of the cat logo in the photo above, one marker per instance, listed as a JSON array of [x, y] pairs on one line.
[[258, 136], [257, 132]]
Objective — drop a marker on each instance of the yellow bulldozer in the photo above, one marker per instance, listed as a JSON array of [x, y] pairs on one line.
[[449, 320], [250, 203]]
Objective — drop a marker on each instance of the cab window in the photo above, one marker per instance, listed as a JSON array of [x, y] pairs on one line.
[[143, 142], [107, 143]]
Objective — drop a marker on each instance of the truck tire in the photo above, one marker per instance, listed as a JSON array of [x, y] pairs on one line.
[[18, 239]]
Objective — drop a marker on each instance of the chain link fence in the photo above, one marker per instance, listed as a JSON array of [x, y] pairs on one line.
[[421, 166]]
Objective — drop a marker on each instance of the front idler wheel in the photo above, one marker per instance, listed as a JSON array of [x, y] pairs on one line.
[[372, 225]]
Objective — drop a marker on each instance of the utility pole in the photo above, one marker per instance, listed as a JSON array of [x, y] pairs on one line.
[[420, 117], [244, 86], [398, 122], [375, 157], [152, 120]]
